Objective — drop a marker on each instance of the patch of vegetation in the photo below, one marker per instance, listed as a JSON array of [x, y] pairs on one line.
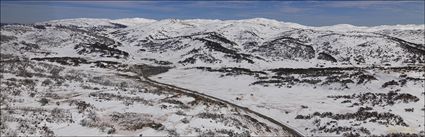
[[200, 56], [325, 56], [312, 71], [285, 47], [364, 78], [72, 61], [363, 114], [232, 71], [134, 121], [5, 38], [389, 83], [159, 62], [381, 99], [43, 101], [29, 46], [228, 52], [103, 49], [148, 70], [127, 99]]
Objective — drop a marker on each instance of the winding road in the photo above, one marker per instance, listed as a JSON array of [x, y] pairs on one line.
[[189, 92]]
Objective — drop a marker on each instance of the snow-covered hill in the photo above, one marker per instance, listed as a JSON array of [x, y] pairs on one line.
[[283, 70], [250, 42]]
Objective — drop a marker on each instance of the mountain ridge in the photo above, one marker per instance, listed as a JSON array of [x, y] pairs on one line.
[[251, 20], [262, 38]]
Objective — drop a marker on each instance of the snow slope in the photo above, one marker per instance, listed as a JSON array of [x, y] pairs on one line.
[[323, 81]]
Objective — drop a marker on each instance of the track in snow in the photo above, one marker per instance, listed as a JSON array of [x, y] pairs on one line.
[[291, 131]]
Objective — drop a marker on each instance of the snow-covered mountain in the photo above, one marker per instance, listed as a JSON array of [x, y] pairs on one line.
[[234, 42], [284, 71]]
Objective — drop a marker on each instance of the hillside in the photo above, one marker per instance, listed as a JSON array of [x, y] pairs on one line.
[[175, 77]]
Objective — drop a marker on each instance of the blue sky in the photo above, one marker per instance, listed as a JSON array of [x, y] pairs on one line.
[[314, 13]]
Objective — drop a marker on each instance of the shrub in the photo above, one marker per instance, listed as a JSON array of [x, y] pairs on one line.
[[47, 82], [392, 82], [43, 101]]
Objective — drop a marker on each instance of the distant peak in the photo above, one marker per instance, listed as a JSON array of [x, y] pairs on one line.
[[133, 21], [262, 19], [89, 22]]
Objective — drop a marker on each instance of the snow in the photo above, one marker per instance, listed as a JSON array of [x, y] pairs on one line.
[[345, 43], [133, 21], [275, 102]]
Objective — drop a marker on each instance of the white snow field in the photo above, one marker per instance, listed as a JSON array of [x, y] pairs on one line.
[[252, 77]]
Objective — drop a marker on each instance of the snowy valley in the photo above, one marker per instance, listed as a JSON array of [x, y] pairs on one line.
[[252, 77]]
